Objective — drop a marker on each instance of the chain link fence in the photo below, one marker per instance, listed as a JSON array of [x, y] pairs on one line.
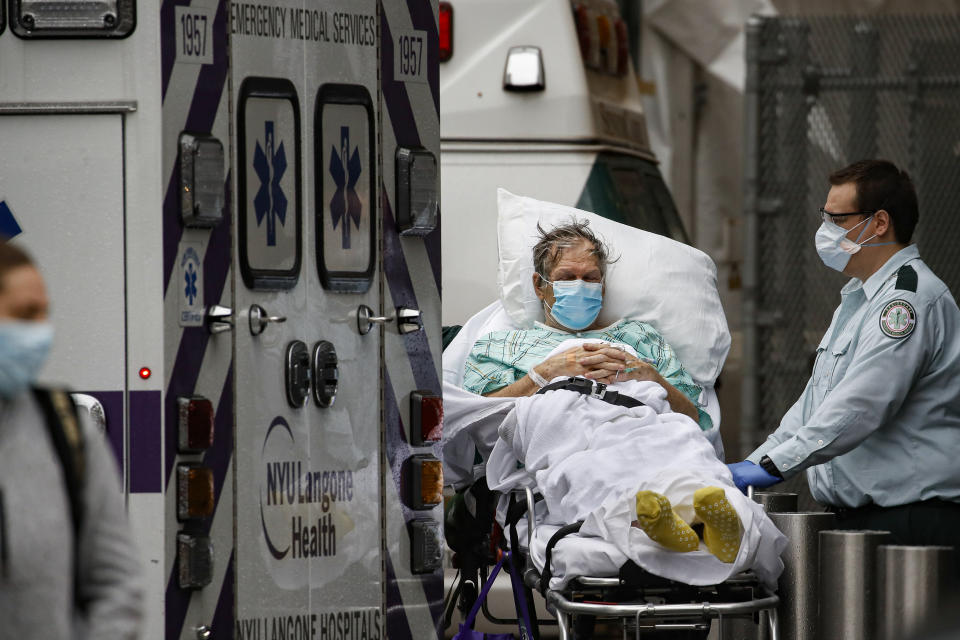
[[822, 93]]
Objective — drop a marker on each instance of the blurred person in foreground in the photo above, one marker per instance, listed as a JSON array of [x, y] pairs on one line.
[[68, 567], [877, 428]]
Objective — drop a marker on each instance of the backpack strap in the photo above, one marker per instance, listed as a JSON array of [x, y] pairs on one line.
[[63, 425]]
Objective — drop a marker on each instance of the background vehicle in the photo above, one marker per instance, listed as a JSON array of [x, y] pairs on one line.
[[539, 97], [219, 195]]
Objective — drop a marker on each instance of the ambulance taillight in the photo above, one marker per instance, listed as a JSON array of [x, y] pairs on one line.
[[426, 482], [195, 424], [426, 546], [603, 37], [445, 20], [195, 498], [195, 560], [426, 417]]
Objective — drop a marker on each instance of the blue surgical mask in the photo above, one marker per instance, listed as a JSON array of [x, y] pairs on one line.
[[23, 350], [835, 248], [577, 303]]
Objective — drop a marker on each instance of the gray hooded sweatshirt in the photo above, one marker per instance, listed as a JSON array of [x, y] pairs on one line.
[[37, 545]]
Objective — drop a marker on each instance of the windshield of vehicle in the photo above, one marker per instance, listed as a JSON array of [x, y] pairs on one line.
[[630, 190]]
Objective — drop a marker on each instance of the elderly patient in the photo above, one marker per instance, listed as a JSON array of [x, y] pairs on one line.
[[570, 263]]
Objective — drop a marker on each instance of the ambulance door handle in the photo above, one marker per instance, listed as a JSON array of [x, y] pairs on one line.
[[259, 319], [366, 319], [219, 319]]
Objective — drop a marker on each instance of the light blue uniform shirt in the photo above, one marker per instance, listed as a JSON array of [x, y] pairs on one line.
[[879, 420]]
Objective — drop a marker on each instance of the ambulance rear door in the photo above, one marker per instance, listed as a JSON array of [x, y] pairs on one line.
[[308, 320]]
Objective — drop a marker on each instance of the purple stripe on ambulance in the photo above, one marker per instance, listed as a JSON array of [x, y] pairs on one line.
[[397, 452], [222, 625], [203, 112], [398, 627], [218, 459], [397, 101], [193, 340], [401, 290], [424, 18], [146, 468], [395, 95]]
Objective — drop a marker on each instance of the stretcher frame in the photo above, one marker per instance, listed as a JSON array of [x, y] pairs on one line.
[[647, 616]]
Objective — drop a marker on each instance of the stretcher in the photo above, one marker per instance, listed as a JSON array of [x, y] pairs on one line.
[[615, 588], [640, 602]]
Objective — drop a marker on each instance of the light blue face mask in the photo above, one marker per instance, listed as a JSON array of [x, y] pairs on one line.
[[577, 303], [835, 248], [23, 350]]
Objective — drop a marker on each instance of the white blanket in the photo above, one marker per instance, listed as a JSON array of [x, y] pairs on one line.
[[470, 421], [589, 458]]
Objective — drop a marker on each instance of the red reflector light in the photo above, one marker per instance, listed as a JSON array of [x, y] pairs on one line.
[[446, 31], [145, 372], [195, 424], [426, 417]]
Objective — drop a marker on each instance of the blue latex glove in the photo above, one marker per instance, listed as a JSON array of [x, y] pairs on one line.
[[747, 473]]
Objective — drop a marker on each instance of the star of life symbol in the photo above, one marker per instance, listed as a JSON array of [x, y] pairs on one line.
[[190, 276], [345, 206], [270, 201]]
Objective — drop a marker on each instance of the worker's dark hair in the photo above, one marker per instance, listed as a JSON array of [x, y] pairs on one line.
[[881, 185], [11, 257], [551, 244]]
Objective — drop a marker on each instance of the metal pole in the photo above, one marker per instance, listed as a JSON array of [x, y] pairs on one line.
[[911, 583], [848, 581], [798, 584], [750, 398], [776, 502]]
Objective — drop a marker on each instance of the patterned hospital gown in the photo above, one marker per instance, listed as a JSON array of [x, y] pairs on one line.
[[500, 358]]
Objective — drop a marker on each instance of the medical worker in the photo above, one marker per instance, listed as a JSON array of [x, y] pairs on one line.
[[878, 425]]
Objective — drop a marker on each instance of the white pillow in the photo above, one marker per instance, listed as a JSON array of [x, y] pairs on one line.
[[657, 280]]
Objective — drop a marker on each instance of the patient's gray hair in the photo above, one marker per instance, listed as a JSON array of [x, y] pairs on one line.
[[547, 251]]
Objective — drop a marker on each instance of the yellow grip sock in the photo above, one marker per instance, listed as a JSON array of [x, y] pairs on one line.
[[721, 524], [656, 518]]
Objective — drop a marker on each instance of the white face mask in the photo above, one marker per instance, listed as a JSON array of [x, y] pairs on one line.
[[835, 248]]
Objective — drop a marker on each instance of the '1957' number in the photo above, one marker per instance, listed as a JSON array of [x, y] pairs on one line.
[[408, 60], [194, 30]]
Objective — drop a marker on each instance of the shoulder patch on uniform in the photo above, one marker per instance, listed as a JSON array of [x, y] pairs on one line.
[[898, 319], [907, 278]]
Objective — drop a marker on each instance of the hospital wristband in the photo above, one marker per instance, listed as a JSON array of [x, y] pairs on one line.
[[538, 379]]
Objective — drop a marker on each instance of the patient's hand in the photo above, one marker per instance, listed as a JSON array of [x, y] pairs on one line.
[[595, 361], [590, 360]]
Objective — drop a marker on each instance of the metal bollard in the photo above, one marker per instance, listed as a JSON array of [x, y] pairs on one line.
[[911, 581], [774, 502], [798, 586], [848, 600], [746, 628]]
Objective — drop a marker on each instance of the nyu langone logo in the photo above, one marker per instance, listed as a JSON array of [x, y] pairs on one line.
[[345, 204], [292, 490], [270, 202]]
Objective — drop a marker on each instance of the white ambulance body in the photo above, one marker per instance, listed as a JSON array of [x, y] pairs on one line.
[[538, 97], [234, 205]]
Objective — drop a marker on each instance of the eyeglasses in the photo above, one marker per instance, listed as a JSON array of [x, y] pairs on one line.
[[840, 218]]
